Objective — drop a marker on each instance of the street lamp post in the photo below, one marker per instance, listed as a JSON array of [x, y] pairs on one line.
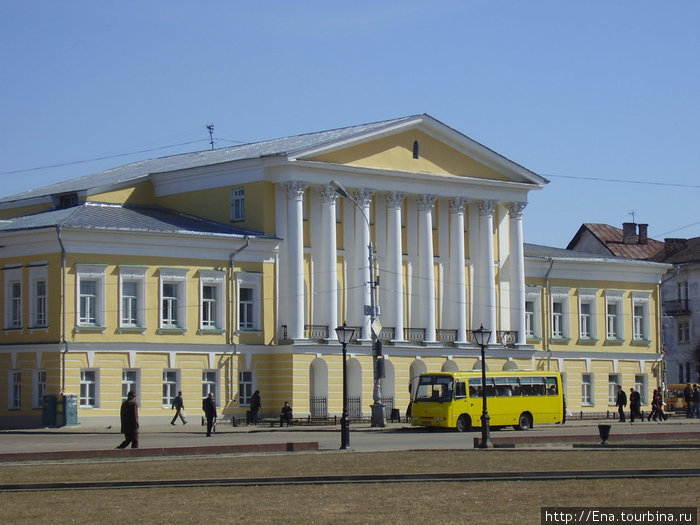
[[378, 414], [481, 337], [344, 334]]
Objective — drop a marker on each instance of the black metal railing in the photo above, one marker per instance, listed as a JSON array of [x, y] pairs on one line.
[[388, 403], [355, 407], [318, 406], [676, 307]]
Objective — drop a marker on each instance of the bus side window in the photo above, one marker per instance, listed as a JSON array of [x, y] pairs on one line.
[[551, 386], [460, 390]]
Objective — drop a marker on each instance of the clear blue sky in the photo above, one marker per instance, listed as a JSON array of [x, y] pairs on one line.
[[571, 90]]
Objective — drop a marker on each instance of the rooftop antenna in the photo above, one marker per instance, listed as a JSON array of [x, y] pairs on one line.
[[210, 127], [632, 213]]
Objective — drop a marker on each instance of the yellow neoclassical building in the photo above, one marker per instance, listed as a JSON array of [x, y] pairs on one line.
[[227, 271]]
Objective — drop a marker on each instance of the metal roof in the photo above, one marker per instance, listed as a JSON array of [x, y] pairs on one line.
[[115, 217], [137, 170], [611, 238]]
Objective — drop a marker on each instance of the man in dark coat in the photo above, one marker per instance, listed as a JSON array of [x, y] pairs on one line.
[[209, 407], [255, 406], [635, 405], [621, 403], [130, 421], [688, 398], [178, 407]]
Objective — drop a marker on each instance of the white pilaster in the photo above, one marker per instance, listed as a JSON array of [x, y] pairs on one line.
[[457, 268], [426, 263], [295, 247], [362, 215], [394, 263], [517, 270]]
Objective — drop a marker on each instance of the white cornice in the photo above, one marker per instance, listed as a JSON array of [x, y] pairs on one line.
[[593, 269]]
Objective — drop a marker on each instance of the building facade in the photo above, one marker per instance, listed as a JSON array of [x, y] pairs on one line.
[[227, 271]]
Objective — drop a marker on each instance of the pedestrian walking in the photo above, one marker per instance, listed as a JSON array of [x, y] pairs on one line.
[[129, 415], [621, 403], [657, 408], [209, 407], [179, 408], [635, 405], [255, 406], [696, 400]]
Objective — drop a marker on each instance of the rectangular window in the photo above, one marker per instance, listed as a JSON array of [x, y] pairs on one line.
[[529, 319], [90, 295], [209, 383], [130, 382], [15, 390], [683, 332], [39, 314], [39, 388], [237, 204], [640, 316], [557, 319], [613, 382], [16, 291], [639, 326], [88, 388], [130, 303], [13, 298], [173, 299], [132, 297], [170, 387], [245, 387], [38, 296], [88, 302], [212, 292], [585, 321], [208, 306], [246, 319], [640, 385], [586, 390], [613, 316]]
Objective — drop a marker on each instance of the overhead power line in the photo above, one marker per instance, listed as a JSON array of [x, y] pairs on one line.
[[627, 181]]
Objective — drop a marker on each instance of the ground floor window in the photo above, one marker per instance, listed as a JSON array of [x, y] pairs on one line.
[[15, 400], [39, 388], [209, 383], [245, 387], [88, 388], [586, 389], [129, 382], [170, 387]]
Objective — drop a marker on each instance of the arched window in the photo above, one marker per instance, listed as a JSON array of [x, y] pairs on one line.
[[416, 149]]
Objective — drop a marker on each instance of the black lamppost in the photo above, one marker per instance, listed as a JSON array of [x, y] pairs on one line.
[[344, 334], [481, 337]]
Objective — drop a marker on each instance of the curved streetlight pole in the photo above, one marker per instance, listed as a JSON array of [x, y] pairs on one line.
[[378, 414]]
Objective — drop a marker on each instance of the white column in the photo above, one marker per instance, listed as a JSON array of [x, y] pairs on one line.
[[295, 249], [329, 261], [488, 274], [517, 270], [426, 263], [362, 215], [395, 266], [457, 269]]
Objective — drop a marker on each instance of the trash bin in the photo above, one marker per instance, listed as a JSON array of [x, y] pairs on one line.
[[70, 409], [48, 411], [604, 431]]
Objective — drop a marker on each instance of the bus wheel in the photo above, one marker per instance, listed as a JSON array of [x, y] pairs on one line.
[[464, 423], [524, 422]]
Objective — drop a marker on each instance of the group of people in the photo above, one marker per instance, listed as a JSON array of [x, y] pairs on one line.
[[691, 396], [129, 415]]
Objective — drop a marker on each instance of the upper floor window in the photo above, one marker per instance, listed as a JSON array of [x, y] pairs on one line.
[[212, 293], [529, 319], [640, 316], [237, 204], [90, 295], [132, 291], [587, 314], [249, 293], [416, 149], [613, 315], [173, 298], [683, 332], [38, 317], [13, 298], [533, 302], [560, 313]]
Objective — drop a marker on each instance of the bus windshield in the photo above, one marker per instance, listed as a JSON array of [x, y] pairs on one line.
[[434, 388]]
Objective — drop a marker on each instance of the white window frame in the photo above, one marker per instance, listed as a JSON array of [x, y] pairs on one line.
[[137, 276], [640, 323], [560, 328], [217, 280], [91, 273], [14, 389], [38, 303], [39, 388], [177, 277], [588, 297], [534, 294], [613, 381], [640, 385], [251, 281], [245, 387], [85, 385], [237, 204], [614, 297], [173, 386], [210, 383], [587, 398], [13, 304], [684, 331], [130, 384]]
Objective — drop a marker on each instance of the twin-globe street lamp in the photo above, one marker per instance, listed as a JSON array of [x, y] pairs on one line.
[[344, 334], [481, 337], [378, 414]]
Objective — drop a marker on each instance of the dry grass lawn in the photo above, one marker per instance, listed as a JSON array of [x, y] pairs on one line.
[[387, 503]]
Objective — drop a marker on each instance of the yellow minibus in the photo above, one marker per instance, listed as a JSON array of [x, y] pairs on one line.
[[453, 399]]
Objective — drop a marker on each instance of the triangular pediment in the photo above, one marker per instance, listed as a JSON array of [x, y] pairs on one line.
[[423, 146]]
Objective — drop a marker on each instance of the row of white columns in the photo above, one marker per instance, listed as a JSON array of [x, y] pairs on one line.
[[485, 309]]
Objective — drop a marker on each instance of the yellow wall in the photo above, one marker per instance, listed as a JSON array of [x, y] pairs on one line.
[[138, 194]]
